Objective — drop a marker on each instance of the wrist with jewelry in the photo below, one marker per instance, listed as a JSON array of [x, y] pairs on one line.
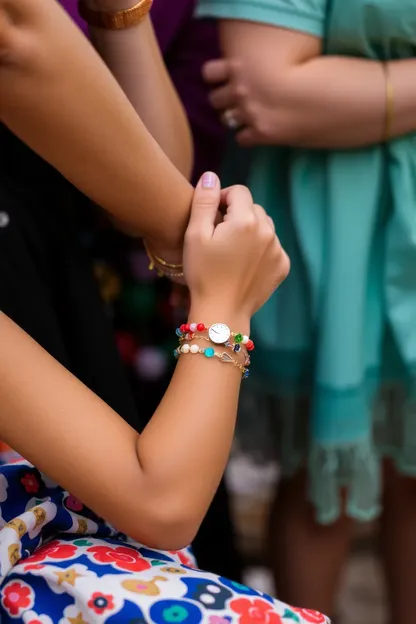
[[162, 266], [218, 334], [96, 14]]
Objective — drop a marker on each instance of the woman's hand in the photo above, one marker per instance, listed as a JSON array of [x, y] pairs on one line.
[[237, 264], [233, 97]]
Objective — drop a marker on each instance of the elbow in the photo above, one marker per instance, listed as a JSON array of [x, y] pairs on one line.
[[167, 527], [20, 43], [8, 38]]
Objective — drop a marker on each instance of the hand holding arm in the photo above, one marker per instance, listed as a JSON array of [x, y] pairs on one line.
[[157, 486], [57, 95], [285, 92]]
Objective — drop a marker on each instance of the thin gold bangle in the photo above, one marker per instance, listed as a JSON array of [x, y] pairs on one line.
[[222, 356], [156, 260], [389, 116], [243, 350]]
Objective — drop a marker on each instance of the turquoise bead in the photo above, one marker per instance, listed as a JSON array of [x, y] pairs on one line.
[[178, 332], [209, 353]]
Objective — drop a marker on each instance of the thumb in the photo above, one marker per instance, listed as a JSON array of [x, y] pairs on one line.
[[205, 204]]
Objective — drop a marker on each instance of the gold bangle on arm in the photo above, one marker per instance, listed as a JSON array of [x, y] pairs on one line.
[[117, 20], [162, 267], [389, 115]]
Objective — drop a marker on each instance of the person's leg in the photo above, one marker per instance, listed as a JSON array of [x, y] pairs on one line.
[[307, 558], [398, 544]]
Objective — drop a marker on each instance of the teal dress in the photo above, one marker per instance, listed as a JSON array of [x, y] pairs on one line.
[[339, 337]]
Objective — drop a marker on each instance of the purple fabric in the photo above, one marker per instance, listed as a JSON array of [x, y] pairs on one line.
[[186, 44]]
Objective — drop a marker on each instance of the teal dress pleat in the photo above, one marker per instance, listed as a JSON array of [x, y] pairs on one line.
[[336, 345]]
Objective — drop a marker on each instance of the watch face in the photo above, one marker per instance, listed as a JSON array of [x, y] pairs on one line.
[[219, 333]]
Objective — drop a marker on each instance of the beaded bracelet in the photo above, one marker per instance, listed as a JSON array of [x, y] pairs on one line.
[[218, 333], [237, 347], [210, 353]]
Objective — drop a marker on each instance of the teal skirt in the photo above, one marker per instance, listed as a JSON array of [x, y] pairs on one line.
[[334, 367]]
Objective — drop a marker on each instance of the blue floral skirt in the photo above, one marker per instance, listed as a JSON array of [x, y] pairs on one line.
[[61, 564]]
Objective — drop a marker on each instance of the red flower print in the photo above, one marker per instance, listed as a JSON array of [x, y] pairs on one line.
[[255, 611], [74, 504], [30, 483], [122, 557], [16, 596], [101, 602], [53, 550], [183, 557], [314, 617], [35, 566]]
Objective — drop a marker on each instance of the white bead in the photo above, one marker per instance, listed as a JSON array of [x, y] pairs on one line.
[[194, 348], [245, 340], [185, 348], [193, 327]]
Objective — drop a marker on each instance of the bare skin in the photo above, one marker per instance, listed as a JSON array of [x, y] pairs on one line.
[[164, 479], [55, 91]]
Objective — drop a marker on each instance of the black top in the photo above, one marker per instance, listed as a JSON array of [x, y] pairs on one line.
[[46, 281]]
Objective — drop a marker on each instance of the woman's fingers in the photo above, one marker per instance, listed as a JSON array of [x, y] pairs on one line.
[[223, 98], [233, 119], [204, 211], [217, 71], [239, 204]]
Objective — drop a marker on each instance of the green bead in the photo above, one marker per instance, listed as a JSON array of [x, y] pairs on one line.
[[238, 338], [209, 353]]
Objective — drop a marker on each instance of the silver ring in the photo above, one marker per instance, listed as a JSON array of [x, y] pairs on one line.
[[230, 120]]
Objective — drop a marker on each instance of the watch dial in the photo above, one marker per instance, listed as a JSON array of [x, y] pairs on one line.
[[219, 333]]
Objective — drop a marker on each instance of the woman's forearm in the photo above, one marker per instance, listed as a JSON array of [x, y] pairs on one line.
[[134, 57], [338, 102], [57, 95], [297, 96], [157, 487]]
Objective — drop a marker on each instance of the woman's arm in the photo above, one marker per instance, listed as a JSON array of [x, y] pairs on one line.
[[288, 94], [134, 57], [57, 95], [157, 486]]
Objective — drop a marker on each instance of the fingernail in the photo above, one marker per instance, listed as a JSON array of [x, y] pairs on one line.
[[209, 180]]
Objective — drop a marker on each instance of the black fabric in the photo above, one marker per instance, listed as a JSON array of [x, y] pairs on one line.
[[46, 281]]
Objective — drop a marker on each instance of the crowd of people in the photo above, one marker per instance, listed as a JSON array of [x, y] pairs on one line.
[[116, 117]]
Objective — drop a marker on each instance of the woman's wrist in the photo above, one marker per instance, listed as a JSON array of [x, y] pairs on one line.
[[110, 6], [209, 313]]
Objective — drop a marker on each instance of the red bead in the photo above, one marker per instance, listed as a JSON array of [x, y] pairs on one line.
[[250, 345], [201, 327], [183, 328], [187, 328]]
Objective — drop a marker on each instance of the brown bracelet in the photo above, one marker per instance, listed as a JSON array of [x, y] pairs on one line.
[[118, 20]]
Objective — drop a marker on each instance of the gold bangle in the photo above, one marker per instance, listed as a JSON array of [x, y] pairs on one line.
[[243, 350], [118, 20], [162, 267], [389, 116], [210, 353]]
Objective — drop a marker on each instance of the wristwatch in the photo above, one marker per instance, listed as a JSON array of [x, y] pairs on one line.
[[115, 21], [219, 333]]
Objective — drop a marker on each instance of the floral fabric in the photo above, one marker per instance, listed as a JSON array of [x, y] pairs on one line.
[[61, 564]]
